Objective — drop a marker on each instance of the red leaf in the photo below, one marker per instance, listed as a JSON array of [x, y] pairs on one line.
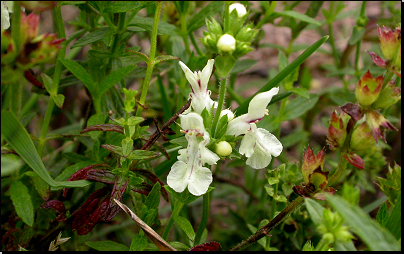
[[210, 246]]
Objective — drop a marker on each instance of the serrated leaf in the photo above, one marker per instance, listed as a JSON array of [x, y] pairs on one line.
[[369, 231], [123, 6], [81, 74], [139, 243], [273, 180], [113, 78], [382, 215], [91, 37], [186, 226], [22, 202], [107, 246], [198, 20], [141, 55], [270, 190], [40, 185]]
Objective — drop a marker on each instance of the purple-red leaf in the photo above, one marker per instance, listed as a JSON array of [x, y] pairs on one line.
[[104, 127], [210, 246]]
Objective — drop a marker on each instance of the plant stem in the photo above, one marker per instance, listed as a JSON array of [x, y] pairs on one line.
[[56, 77], [264, 231], [205, 216], [226, 16], [150, 65], [321, 246], [220, 104], [15, 90], [184, 31], [338, 172], [170, 223]]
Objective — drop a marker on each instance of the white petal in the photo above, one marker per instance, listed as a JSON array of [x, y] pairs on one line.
[[247, 144], [183, 156], [238, 126], [258, 104], [200, 181], [192, 121], [268, 142], [259, 159], [206, 73], [207, 156], [191, 77], [177, 178]]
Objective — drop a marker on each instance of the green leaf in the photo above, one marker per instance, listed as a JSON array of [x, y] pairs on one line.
[[139, 243], [91, 37], [224, 64], [113, 78], [297, 107], [181, 141], [186, 226], [198, 20], [357, 35], [299, 16], [273, 180], [342, 246], [17, 137], [221, 126], [22, 202], [10, 163], [153, 198], [369, 231], [393, 224], [242, 65], [123, 6], [163, 28], [95, 119], [81, 74], [162, 58], [315, 210], [280, 198], [57, 98], [107, 246], [40, 185], [382, 214], [301, 91], [141, 55], [242, 109]]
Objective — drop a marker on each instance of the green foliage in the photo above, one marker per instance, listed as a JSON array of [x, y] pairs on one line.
[[102, 107]]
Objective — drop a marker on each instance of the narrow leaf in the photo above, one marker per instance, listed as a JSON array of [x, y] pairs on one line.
[[369, 231], [139, 243], [299, 16], [153, 199], [315, 210], [393, 224], [91, 37], [165, 58], [186, 226], [242, 109], [113, 78], [22, 202], [199, 19], [80, 73]]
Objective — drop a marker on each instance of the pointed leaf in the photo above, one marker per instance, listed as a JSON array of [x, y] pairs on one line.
[[113, 78], [81, 74], [89, 38], [22, 202], [371, 233], [186, 226], [107, 246], [165, 58], [198, 20], [315, 210], [299, 16], [139, 243]]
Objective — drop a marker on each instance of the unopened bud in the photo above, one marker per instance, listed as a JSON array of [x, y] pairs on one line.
[[229, 113], [368, 89], [362, 137], [226, 43], [390, 41], [223, 148], [389, 96], [240, 9]]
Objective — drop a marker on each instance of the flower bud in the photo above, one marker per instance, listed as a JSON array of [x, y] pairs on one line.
[[362, 137], [389, 96], [226, 43], [390, 41], [229, 113], [29, 26], [246, 33], [6, 8], [368, 89], [240, 9], [311, 163], [337, 131], [223, 148], [375, 121]]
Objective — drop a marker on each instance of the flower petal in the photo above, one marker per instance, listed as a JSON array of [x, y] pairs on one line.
[[207, 156], [199, 181], [238, 126], [192, 121], [177, 178], [191, 77], [258, 104], [268, 142], [206, 73], [259, 159], [247, 144]]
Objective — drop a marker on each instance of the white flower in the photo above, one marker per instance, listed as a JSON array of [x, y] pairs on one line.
[[259, 146], [199, 84], [6, 8], [256, 111], [226, 43], [229, 113], [241, 10], [188, 171]]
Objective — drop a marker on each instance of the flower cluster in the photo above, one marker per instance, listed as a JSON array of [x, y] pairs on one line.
[[258, 145]]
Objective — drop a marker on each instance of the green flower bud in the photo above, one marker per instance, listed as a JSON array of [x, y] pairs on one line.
[[226, 43], [362, 137], [337, 131], [223, 148], [368, 89], [390, 42]]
